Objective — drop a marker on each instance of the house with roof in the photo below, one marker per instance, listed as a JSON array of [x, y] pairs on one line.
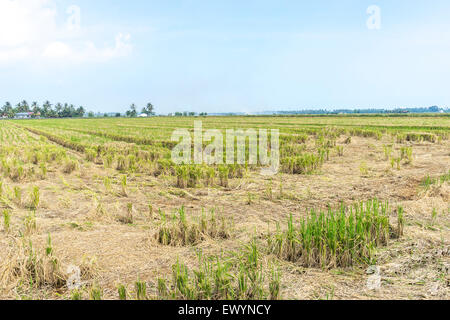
[[23, 115]]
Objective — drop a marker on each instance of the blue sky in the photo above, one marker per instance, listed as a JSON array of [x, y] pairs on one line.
[[223, 56]]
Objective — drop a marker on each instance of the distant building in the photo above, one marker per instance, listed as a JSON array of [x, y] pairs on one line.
[[143, 115], [24, 115]]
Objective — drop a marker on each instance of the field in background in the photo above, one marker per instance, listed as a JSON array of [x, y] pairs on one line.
[[94, 208]]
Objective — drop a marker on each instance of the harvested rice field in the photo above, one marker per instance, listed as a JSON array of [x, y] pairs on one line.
[[97, 209]]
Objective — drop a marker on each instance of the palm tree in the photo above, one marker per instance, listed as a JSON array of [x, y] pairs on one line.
[[46, 109], [149, 108], [35, 107], [80, 112], [23, 106], [11, 113], [72, 111], [58, 109], [7, 108], [133, 112]]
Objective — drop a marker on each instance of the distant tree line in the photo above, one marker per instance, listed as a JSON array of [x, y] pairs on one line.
[[47, 110], [433, 109], [188, 114], [59, 110]]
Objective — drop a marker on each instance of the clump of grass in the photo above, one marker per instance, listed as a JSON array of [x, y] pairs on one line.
[[76, 295], [91, 154], [18, 195], [122, 291], [363, 169], [107, 160], [70, 165], [6, 220], [121, 163], [274, 283], [223, 175], [420, 137], [340, 151], [179, 231], [427, 182], [400, 137], [434, 215], [445, 177], [400, 221], [107, 184], [336, 238], [49, 248], [16, 172], [189, 176], [30, 223], [216, 227], [34, 198], [209, 176], [249, 198], [123, 183], [392, 161], [131, 161], [141, 290], [397, 162], [128, 218], [195, 175], [306, 163], [99, 208], [96, 293], [38, 269], [150, 210], [182, 176], [43, 168], [237, 276], [406, 154], [387, 149]]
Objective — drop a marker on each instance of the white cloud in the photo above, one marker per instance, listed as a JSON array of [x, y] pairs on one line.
[[24, 21], [87, 51], [14, 54], [57, 50], [29, 31]]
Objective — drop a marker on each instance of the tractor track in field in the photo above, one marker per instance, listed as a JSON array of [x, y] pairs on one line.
[[54, 139], [76, 153]]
